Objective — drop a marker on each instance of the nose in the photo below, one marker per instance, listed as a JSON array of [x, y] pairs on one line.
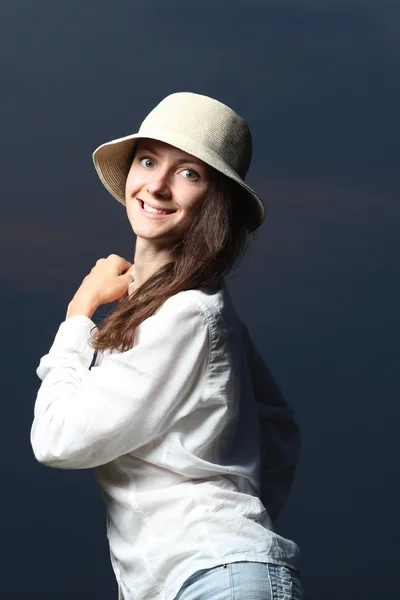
[[158, 185]]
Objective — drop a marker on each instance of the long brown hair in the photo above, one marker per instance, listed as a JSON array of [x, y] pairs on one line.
[[219, 235]]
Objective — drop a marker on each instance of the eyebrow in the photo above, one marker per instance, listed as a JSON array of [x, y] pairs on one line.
[[182, 159]]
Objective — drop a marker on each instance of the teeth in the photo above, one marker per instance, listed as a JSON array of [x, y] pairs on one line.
[[154, 210]]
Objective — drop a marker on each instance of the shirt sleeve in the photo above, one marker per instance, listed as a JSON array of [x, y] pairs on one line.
[[279, 433], [85, 418]]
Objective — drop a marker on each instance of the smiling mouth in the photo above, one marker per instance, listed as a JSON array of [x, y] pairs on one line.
[[160, 212]]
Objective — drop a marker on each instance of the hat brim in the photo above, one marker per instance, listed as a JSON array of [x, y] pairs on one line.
[[113, 161]]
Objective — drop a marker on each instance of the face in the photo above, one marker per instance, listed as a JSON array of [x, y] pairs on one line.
[[166, 178]]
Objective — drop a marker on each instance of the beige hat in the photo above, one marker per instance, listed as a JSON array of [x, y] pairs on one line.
[[196, 124]]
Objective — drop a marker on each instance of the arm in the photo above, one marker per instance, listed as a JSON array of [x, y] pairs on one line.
[[84, 418], [279, 433]]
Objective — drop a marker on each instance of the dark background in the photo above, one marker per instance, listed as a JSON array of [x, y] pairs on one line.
[[318, 83]]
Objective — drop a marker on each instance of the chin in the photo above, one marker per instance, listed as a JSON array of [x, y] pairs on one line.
[[150, 233]]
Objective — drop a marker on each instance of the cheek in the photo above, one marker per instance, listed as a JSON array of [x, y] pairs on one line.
[[194, 200], [190, 195], [133, 185], [131, 179]]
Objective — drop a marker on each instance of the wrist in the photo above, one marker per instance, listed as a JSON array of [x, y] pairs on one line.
[[81, 306]]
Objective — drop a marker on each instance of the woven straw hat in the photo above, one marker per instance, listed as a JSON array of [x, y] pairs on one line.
[[196, 124]]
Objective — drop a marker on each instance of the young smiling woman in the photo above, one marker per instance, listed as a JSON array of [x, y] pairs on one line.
[[192, 443], [162, 178]]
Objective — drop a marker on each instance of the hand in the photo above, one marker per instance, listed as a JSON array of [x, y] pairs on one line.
[[107, 281]]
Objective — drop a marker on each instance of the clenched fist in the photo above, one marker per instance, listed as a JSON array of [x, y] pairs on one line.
[[108, 281]]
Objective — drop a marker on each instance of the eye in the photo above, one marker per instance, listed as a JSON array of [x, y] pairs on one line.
[[193, 174], [147, 159]]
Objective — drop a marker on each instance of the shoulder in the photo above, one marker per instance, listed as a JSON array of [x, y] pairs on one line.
[[193, 311], [205, 302]]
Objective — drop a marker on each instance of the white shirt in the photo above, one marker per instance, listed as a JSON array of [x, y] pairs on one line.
[[171, 428]]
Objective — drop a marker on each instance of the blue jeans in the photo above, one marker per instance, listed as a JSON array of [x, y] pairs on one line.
[[243, 580]]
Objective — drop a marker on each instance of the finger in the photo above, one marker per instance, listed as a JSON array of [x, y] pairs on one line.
[[123, 264], [126, 268]]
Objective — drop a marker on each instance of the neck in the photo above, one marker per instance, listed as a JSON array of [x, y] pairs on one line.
[[148, 260]]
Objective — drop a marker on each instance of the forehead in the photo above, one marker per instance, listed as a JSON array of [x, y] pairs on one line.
[[157, 147]]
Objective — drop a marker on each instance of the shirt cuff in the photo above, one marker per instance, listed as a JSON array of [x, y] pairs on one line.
[[74, 334]]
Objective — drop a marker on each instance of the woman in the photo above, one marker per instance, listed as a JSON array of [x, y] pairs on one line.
[[170, 412]]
